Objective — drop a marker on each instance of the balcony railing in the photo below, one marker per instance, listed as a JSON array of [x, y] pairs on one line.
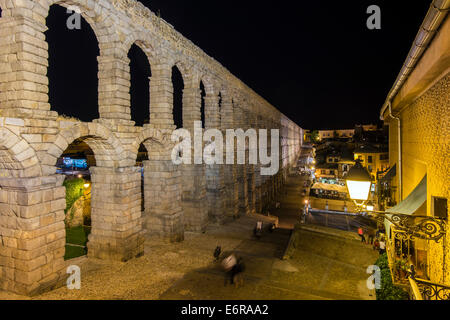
[[426, 290], [405, 275]]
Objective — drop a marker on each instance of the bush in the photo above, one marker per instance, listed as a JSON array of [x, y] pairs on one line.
[[388, 290], [73, 193]]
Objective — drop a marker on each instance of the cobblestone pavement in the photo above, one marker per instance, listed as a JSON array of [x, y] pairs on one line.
[[324, 267]]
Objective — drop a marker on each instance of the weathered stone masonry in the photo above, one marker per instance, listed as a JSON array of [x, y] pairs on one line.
[[177, 198]]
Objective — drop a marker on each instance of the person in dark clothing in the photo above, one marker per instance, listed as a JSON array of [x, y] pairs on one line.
[[272, 227], [217, 253], [257, 232], [237, 272], [229, 265], [371, 234]]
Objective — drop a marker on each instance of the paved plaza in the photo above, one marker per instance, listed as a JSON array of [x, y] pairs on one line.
[[327, 265]]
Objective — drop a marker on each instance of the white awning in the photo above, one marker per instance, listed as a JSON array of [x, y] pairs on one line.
[[414, 201], [411, 204]]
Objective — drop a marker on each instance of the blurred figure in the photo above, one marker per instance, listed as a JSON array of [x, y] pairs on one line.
[[272, 227], [371, 234], [217, 253], [237, 272], [228, 264], [257, 232], [382, 246], [376, 245]]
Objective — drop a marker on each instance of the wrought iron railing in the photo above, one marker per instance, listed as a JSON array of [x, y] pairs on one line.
[[426, 290]]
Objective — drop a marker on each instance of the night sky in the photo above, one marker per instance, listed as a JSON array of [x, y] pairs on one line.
[[315, 61]]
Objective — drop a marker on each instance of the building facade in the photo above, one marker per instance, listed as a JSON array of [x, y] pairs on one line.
[[417, 111]]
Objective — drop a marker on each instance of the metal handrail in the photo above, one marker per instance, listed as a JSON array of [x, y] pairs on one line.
[[426, 290]]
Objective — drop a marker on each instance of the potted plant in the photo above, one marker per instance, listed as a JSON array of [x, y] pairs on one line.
[[401, 265]]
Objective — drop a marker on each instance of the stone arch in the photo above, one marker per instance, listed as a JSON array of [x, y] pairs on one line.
[[143, 73], [100, 21], [17, 158], [108, 150], [143, 41], [179, 86], [103, 22], [210, 85], [160, 138], [161, 185], [184, 69]]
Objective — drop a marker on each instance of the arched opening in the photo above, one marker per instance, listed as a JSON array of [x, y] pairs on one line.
[[178, 87], [74, 164], [73, 67], [202, 106], [140, 72]]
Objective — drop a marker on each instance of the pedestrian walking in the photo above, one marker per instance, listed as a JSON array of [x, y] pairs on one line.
[[228, 264], [217, 253], [371, 234], [382, 246], [376, 245], [272, 227], [257, 232], [361, 234], [237, 272]]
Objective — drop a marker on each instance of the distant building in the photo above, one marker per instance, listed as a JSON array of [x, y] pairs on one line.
[[346, 133], [373, 159], [333, 134]]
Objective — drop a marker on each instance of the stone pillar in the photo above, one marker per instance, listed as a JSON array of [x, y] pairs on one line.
[[114, 87], [162, 189], [116, 214], [194, 198], [23, 63], [242, 169], [258, 177], [230, 170], [251, 189], [32, 234], [251, 168], [215, 185], [243, 189], [161, 96]]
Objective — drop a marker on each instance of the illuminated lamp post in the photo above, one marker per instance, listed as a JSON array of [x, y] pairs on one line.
[[358, 181]]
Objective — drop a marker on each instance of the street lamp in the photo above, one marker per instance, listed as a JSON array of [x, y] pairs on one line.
[[358, 183], [414, 226]]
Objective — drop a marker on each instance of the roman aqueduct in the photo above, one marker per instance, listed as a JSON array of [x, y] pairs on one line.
[[176, 198]]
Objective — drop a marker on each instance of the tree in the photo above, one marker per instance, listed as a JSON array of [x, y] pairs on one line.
[[315, 136]]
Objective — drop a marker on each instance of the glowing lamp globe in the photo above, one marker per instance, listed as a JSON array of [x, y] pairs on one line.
[[358, 182]]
